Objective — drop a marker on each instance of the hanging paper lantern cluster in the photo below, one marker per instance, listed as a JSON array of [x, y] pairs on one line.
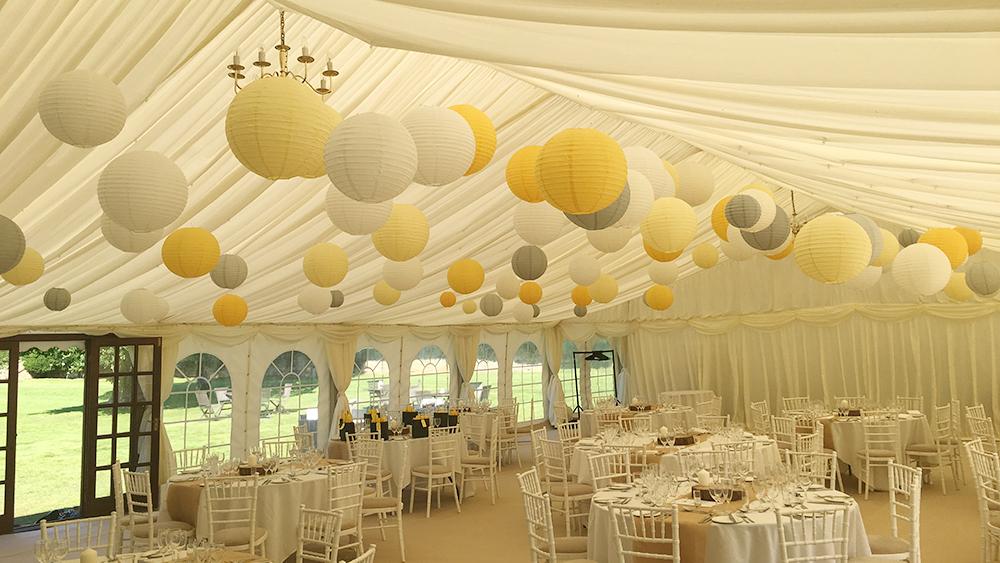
[[445, 144], [696, 182], [581, 171], [190, 252], [483, 132], [28, 269], [277, 127], [465, 276], [142, 191], [537, 223], [605, 289], [12, 244], [403, 275], [832, 249], [949, 241], [529, 262], [670, 225], [705, 255], [611, 239], [384, 293], [404, 234], [230, 272], [142, 306], [370, 158], [56, 299], [921, 268], [355, 217], [325, 264], [659, 297], [126, 240], [650, 166], [983, 278], [230, 310], [82, 108]]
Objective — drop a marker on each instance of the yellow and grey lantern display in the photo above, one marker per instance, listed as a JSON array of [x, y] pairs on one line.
[[445, 144], [951, 242], [606, 217], [190, 252], [28, 269], [12, 244], [520, 174], [670, 225], [465, 276], [484, 134]]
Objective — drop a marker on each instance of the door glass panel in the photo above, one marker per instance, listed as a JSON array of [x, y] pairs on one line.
[[141, 412], [106, 361], [144, 388], [125, 388], [3, 397], [126, 359], [122, 449], [124, 421], [103, 483], [144, 358], [105, 390], [104, 420], [3, 430], [104, 454]]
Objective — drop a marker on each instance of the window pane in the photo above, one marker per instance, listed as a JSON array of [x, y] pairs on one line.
[[485, 378], [370, 382], [430, 378], [526, 382], [144, 359], [289, 396], [199, 409], [106, 359], [567, 376]]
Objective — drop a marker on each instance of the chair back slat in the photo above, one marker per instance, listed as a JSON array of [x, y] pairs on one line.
[[610, 467], [783, 430], [638, 423], [904, 505], [529, 482], [820, 467], [541, 538], [569, 431], [813, 535], [646, 533], [190, 458], [319, 535], [99, 534]]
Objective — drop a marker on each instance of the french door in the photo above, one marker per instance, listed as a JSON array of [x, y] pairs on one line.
[[8, 432], [121, 415]]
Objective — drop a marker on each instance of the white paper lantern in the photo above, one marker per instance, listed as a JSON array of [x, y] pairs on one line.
[[12, 244], [445, 144], [584, 270], [508, 284], [736, 248], [56, 299], [866, 279], [921, 268], [142, 306], [314, 300], [355, 217], [125, 240], [647, 163], [523, 313], [403, 275], [611, 239], [696, 182], [663, 273], [371, 157], [142, 191], [640, 199], [538, 223], [874, 234], [230, 272], [82, 108]]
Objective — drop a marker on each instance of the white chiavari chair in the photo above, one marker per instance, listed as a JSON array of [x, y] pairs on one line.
[[820, 467], [508, 433], [384, 509], [303, 437], [483, 467], [142, 524], [904, 403], [975, 411], [360, 435], [542, 541], [903, 543], [319, 535], [794, 404], [644, 534], [986, 477], [232, 514], [610, 467], [760, 418], [345, 485], [783, 431], [713, 423], [537, 435], [366, 557], [958, 435], [99, 534], [190, 459], [940, 452], [372, 452], [812, 536], [881, 447], [691, 461], [530, 482], [280, 448], [607, 419], [560, 486], [808, 442], [440, 471], [711, 407], [637, 423], [853, 401], [983, 429], [569, 432]]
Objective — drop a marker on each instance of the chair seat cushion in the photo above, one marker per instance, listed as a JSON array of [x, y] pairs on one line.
[[924, 449], [885, 545], [125, 520], [435, 469], [239, 536], [877, 453], [590, 561], [475, 460], [385, 473], [569, 489], [142, 530], [380, 503], [571, 545]]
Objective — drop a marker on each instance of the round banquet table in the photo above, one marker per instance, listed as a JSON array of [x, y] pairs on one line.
[[716, 543], [846, 435], [685, 398], [663, 417], [400, 454]]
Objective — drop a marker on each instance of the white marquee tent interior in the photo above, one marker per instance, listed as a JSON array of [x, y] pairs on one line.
[[886, 110]]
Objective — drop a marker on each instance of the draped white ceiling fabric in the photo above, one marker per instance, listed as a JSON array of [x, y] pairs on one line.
[[892, 114]]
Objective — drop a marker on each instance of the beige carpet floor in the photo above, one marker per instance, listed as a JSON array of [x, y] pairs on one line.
[[485, 533]]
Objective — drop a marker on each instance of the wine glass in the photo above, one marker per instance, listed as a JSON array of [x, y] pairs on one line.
[[42, 551], [58, 548]]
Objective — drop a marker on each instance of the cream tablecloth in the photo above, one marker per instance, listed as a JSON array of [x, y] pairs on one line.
[[588, 419], [686, 398], [847, 437], [400, 455]]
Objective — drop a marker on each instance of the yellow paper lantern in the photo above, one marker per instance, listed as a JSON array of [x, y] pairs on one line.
[[465, 276], [384, 293], [277, 127], [659, 297], [581, 296], [520, 174], [673, 173], [484, 133], [670, 225], [973, 238], [469, 307], [832, 249], [705, 255], [890, 248], [447, 299], [950, 241], [605, 289], [404, 234], [325, 264], [957, 289], [190, 252], [784, 253], [581, 171], [530, 292], [719, 223], [658, 255], [28, 269], [230, 310]]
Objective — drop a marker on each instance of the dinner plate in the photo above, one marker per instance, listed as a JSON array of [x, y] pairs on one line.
[[724, 519], [620, 487]]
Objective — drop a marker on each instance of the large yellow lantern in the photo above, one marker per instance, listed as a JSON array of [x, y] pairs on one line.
[[190, 252], [484, 133], [659, 297], [832, 249], [950, 241], [605, 289], [973, 238], [581, 171], [658, 255], [28, 269], [719, 223], [520, 172], [465, 276], [404, 235], [670, 225], [581, 296], [325, 264], [384, 293], [530, 292], [230, 310]]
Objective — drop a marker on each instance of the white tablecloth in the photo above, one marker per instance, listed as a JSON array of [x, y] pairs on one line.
[[756, 542], [686, 398], [588, 419], [848, 435], [400, 455]]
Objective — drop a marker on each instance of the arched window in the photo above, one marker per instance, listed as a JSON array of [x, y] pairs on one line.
[[198, 411], [526, 382], [430, 378], [289, 396], [571, 390], [485, 381], [369, 382], [601, 373]]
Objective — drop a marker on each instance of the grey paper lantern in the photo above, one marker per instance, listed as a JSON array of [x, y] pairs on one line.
[[230, 272], [773, 236], [491, 304], [529, 262], [874, 233], [142, 191], [11, 244], [605, 217], [580, 311], [907, 237], [742, 211], [536, 310], [56, 299], [336, 298], [983, 278]]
